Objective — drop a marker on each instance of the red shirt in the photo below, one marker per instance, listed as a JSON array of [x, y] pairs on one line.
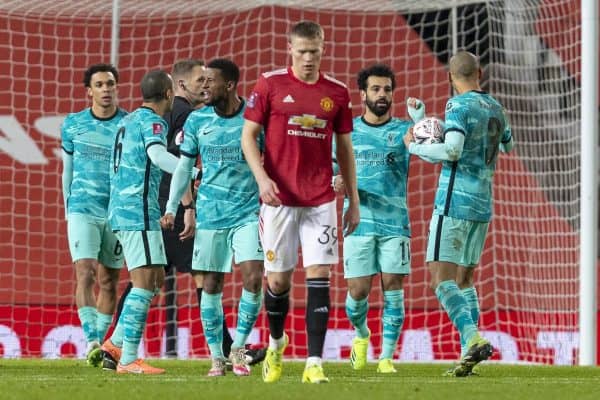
[[299, 120]]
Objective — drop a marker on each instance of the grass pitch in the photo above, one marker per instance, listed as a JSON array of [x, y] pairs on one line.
[[73, 380]]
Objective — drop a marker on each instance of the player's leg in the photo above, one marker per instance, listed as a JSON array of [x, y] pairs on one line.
[[84, 234], [393, 258], [318, 237], [359, 269], [443, 257], [464, 280], [279, 237], [110, 263], [212, 257], [144, 252], [248, 254]]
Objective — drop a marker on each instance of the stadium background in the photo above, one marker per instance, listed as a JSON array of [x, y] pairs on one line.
[[528, 280]]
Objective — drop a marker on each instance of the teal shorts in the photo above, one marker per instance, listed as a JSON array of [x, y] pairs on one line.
[[370, 255], [214, 250], [143, 248], [456, 240], [91, 237]]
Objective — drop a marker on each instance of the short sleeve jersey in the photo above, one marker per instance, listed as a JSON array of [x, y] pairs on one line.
[[228, 193], [382, 162], [134, 179], [299, 120], [465, 186], [89, 140]]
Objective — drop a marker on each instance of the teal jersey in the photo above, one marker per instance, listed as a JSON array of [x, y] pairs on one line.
[[382, 172], [134, 179], [89, 140], [228, 192], [465, 186]]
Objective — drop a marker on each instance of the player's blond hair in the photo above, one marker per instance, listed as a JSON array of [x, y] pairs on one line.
[[307, 30]]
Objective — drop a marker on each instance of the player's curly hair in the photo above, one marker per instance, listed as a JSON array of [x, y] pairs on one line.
[[229, 70], [87, 76], [375, 70]]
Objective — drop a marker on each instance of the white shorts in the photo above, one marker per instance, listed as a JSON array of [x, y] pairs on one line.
[[282, 229]]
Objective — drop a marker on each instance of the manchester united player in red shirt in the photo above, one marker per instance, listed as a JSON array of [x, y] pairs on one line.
[[300, 110]]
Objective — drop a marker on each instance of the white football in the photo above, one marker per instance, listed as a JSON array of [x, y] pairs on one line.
[[428, 130]]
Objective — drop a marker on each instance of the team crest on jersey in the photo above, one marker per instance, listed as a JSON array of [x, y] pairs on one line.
[[157, 129], [270, 255], [252, 100], [307, 121], [327, 104]]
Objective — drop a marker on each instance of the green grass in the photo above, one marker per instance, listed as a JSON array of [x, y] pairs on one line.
[[73, 380]]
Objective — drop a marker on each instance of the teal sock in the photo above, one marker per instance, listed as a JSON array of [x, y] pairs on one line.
[[211, 314], [87, 317], [457, 309], [103, 322], [356, 310], [470, 295], [117, 336], [248, 310], [135, 312], [393, 318]]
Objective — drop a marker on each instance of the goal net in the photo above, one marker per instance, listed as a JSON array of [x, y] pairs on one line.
[[528, 277]]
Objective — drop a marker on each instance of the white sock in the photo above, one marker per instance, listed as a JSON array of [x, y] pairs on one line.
[[310, 361]]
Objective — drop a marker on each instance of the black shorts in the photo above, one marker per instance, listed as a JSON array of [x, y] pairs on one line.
[[179, 254]]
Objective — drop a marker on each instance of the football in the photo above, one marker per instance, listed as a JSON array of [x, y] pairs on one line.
[[428, 130]]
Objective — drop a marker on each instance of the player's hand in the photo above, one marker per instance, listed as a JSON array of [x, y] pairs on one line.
[[415, 108], [189, 225], [167, 221], [268, 192], [351, 218], [338, 184], [408, 137]]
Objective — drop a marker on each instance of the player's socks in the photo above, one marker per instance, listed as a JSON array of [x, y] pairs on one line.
[[277, 307], [470, 295], [135, 312], [457, 309], [393, 318], [227, 340], [317, 314], [103, 322], [122, 301], [248, 310], [356, 310], [212, 323], [87, 317]]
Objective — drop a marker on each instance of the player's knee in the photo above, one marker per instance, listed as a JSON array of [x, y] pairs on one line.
[[212, 283], [358, 292], [277, 286], [86, 276]]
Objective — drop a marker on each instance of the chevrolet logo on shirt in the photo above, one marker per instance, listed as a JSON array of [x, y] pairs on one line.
[[307, 121]]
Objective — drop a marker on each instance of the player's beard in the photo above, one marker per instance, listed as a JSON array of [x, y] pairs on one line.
[[377, 107]]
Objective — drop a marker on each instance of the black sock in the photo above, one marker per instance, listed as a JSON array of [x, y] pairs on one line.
[[277, 306], [227, 340], [317, 314], [122, 302]]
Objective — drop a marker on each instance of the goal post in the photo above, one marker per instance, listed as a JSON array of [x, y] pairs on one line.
[[541, 253]]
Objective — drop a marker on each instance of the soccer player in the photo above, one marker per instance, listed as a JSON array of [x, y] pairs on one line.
[[227, 212], [188, 82], [475, 129], [300, 109], [87, 138], [139, 154], [381, 243]]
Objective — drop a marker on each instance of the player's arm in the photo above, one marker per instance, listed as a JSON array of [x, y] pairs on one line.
[[166, 161], [345, 159], [449, 150], [267, 188], [67, 176], [179, 183], [506, 143], [67, 159]]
